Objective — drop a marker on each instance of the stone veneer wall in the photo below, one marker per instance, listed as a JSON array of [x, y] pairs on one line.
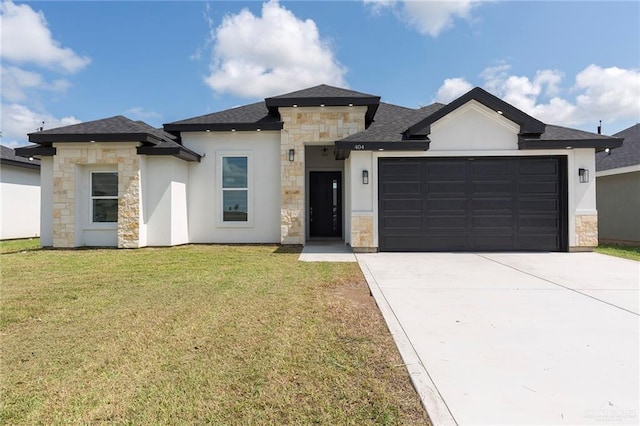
[[307, 125], [65, 164], [586, 231], [362, 234]]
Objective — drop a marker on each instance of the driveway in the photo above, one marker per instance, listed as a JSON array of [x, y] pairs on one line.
[[533, 338]]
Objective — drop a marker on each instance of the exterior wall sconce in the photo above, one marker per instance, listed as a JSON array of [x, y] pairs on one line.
[[583, 174], [365, 177], [325, 151], [292, 154]]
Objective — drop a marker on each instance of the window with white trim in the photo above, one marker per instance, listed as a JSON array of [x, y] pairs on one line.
[[104, 197], [235, 188]]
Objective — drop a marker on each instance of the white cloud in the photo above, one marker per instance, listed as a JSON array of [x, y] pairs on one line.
[[259, 56], [608, 94], [142, 114], [428, 17], [18, 120], [26, 38], [16, 81], [451, 89]]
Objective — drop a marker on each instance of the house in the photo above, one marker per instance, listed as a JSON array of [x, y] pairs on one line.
[[618, 190], [324, 162], [19, 195]]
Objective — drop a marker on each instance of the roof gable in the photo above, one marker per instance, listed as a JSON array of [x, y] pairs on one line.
[[528, 125]]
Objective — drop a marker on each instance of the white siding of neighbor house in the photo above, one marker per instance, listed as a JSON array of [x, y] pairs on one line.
[[165, 201], [46, 202], [19, 202], [204, 187], [472, 130]]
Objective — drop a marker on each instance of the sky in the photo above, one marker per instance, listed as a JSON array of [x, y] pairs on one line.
[[569, 63]]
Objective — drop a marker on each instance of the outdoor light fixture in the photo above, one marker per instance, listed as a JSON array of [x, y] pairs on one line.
[[365, 177], [292, 154], [325, 151], [584, 175]]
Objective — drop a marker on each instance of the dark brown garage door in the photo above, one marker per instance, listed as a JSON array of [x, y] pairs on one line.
[[472, 204]]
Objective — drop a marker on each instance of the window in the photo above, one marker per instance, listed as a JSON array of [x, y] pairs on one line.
[[104, 197], [235, 189]]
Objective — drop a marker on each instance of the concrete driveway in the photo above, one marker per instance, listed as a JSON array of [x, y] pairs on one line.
[[533, 338]]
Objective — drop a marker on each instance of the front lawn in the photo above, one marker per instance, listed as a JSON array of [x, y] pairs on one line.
[[627, 252], [194, 334]]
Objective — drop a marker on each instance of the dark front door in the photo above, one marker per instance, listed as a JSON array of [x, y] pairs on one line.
[[325, 204]]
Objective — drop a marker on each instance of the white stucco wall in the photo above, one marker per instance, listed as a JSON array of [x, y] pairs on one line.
[[165, 201], [204, 190], [19, 202]]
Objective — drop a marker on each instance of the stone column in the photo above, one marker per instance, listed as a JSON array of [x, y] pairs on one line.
[[586, 232]]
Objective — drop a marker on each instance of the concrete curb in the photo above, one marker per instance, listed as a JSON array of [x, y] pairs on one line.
[[429, 395]]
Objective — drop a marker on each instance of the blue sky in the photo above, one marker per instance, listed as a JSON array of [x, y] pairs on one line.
[[568, 63]]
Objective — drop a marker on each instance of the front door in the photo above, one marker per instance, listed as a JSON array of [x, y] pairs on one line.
[[325, 204]]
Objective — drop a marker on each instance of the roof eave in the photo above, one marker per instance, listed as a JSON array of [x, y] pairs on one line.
[[598, 143], [22, 164], [91, 137], [178, 151], [35, 150], [343, 148]]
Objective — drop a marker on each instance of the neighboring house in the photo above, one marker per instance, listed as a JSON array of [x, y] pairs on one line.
[[19, 195], [618, 190], [324, 162]]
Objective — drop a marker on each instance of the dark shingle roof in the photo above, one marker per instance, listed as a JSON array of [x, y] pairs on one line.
[[390, 123], [323, 91], [112, 129], [9, 158], [553, 132], [247, 117], [627, 155]]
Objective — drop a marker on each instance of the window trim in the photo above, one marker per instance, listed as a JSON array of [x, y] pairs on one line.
[[92, 198], [221, 155]]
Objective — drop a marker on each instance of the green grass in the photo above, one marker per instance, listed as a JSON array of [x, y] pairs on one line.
[[15, 246], [197, 335], [624, 251]]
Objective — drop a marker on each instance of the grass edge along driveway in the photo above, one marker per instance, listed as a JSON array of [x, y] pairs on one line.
[[194, 334]]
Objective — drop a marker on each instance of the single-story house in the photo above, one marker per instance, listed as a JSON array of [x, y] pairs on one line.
[[618, 190], [324, 162], [19, 195]]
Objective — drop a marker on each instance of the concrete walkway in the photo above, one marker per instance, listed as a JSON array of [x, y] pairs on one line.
[[327, 251], [548, 338]]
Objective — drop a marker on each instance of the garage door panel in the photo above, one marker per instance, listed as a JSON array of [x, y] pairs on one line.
[[447, 188], [403, 222], [492, 188], [550, 205], [402, 205], [493, 203], [539, 188], [493, 222], [403, 188], [405, 169], [447, 204], [444, 223]]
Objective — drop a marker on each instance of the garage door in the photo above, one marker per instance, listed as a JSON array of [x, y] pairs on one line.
[[472, 204]]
